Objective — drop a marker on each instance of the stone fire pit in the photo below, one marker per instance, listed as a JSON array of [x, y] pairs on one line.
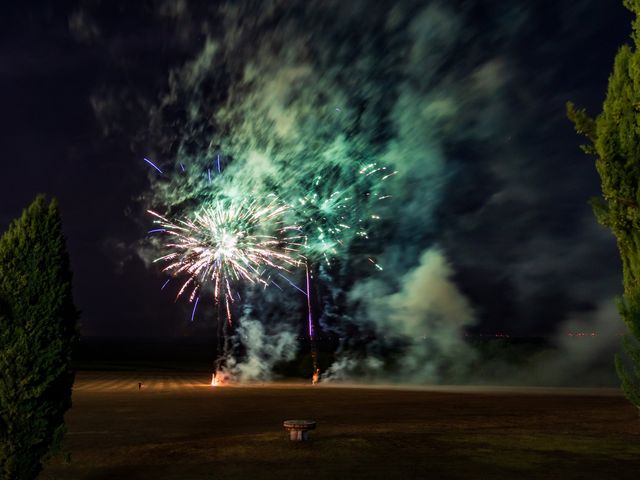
[[299, 429]]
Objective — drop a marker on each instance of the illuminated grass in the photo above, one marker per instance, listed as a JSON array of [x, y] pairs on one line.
[[173, 430]]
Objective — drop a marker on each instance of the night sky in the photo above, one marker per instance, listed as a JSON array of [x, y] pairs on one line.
[[80, 89]]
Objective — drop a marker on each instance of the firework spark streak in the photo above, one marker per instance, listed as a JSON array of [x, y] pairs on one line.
[[225, 244], [152, 164], [310, 317]]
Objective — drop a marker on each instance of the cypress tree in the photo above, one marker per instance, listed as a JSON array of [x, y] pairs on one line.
[[38, 330], [614, 139]]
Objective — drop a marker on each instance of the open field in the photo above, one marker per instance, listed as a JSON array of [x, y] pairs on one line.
[[178, 427]]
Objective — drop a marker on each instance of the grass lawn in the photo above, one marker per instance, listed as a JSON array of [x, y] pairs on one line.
[[177, 427]]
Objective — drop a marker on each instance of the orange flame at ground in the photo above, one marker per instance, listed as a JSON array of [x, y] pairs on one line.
[[217, 380], [315, 378], [220, 379]]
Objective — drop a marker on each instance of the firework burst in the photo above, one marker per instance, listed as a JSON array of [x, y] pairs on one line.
[[333, 211], [226, 243]]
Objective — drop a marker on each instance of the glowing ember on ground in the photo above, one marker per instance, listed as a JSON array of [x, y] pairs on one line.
[[316, 377]]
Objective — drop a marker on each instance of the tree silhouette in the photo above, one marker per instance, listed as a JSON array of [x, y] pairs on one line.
[[38, 330], [614, 139]]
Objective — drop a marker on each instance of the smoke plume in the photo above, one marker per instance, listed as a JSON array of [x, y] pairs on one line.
[[470, 230]]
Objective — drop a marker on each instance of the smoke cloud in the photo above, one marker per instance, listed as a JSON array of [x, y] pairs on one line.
[[425, 320], [294, 98], [264, 347]]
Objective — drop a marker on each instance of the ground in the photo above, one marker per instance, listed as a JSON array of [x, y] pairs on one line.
[[178, 427]]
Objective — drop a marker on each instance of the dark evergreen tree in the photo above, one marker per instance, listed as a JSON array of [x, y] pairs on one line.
[[38, 330], [615, 142]]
